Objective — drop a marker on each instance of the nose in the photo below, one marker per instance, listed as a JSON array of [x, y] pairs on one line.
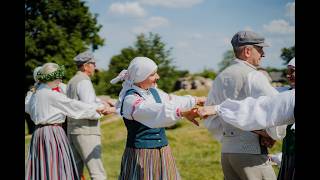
[[262, 53]]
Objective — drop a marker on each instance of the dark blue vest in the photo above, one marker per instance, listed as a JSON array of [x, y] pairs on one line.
[[141, 136]]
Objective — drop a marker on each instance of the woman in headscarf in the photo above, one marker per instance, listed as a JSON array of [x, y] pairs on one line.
[[50, 155], [146, 110]]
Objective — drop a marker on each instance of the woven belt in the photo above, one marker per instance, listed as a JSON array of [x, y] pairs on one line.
[[42, 125]]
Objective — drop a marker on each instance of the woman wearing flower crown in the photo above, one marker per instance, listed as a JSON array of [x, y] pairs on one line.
[[50, 155]]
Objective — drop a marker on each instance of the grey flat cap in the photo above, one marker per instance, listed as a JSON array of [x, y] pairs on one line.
[[84, 57], [248, 38]]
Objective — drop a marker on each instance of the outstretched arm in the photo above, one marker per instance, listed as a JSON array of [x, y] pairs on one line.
[[255, 113]]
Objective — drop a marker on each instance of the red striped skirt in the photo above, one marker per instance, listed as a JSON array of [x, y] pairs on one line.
[[50, 155], [148, 164]]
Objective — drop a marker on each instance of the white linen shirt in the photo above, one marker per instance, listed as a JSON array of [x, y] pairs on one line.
[[259, 113], [255, 85], [46, 106], [155, 115]]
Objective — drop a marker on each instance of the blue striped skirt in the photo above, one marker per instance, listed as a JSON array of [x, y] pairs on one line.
[[148, 164], [50, 156]]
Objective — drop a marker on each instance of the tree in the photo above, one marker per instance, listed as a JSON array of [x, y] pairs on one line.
[[228, 57], [153, 48], [56, 31], [99, 81], [207, 73], [287, 54]]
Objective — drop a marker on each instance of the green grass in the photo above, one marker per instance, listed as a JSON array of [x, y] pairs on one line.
[[201, 92], [196, 153]]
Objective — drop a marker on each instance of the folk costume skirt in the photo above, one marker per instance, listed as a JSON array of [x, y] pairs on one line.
[[148, 164], [50, 156], [287, 169]]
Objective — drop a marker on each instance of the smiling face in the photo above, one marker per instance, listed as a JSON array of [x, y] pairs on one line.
[[151, 81]]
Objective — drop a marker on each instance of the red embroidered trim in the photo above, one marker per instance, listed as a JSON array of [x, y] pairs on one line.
[[135, 104], [178, 112]]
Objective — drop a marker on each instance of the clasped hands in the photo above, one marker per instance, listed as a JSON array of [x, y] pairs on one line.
[[108, 108], [198, 112]]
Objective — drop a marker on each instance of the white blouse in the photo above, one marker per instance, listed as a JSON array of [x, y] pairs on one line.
[[259, 113], [155, 115], [46, 106]]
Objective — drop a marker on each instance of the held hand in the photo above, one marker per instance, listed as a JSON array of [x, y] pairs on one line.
[[108, 110], [267, 141], [206, 111], [191, 114], [111, 102], [100, 109], [262, 133], [200, 100], [105, 103]]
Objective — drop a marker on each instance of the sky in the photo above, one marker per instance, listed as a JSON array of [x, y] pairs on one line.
[[198, 31]]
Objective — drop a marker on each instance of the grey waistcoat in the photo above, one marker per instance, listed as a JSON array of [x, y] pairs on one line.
[[80, 126], [232, 83]]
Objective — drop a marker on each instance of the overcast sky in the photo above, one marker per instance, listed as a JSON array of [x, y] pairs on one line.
[[199, 31]]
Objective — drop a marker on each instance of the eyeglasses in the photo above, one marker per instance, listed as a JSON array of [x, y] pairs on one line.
[[259, 49]]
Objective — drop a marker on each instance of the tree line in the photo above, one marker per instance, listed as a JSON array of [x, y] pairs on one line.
[[57, 30]]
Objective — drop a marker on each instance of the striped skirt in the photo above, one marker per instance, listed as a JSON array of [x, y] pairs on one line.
[[148, 164], [287, 169], [50, 156]]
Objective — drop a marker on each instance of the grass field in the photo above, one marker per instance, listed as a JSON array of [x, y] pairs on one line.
[[197, 154]]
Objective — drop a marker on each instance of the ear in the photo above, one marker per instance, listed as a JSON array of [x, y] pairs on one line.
[[85, 67], [247, 52]]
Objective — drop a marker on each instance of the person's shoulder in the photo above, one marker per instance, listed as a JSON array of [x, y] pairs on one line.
[[235, 69], [85, 83], [257, 75], [131, 99]]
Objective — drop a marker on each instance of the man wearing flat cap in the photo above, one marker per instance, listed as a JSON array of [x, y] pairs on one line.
[[243, 153], [84, 134]]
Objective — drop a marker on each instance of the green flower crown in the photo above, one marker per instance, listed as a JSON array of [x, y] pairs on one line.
[[58, 74]]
